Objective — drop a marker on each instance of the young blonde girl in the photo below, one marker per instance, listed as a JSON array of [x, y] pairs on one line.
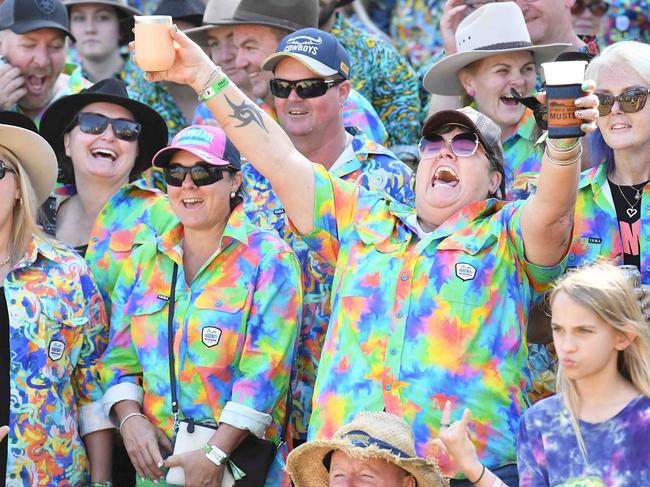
[[596, 430]]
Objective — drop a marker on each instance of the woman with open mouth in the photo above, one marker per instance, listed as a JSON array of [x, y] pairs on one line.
[[495, 55]]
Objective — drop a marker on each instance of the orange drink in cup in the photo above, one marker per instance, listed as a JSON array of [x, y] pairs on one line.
[[154, 46]]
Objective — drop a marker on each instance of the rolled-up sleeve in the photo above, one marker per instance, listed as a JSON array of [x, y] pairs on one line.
[[245, 418]]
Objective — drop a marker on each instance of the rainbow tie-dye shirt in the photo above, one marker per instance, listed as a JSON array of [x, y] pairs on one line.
[[57, 332], [374, 167], [235, 325], [417, 321]]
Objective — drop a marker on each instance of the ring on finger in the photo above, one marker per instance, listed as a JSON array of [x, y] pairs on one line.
[[444, 425], [647, 317]]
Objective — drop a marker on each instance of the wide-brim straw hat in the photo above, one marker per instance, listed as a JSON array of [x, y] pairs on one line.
[[371, 435], [37, 158], [495, 28], [217, 13]]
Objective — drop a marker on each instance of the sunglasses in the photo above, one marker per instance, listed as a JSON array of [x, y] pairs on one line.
[[598, 9], [539, 109], [630, 101], [95, 124], [4, 169], [305, 88], [201, 174], [463, 145]]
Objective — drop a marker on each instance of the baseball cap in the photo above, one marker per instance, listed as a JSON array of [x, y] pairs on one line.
[[208, 143], [318, 50], [488, 132], [22, 16]]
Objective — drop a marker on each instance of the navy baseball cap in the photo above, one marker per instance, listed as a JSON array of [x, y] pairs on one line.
[[22, 16], [316, 49]]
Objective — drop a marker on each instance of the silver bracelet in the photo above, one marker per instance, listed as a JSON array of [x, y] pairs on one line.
[[214, 76], [560, 149], [567, 162], [128, 416]]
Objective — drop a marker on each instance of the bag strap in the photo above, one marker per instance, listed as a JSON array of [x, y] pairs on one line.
[[172, 367], [170, 346]]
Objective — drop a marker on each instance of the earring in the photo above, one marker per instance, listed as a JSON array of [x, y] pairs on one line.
[[232, 195], [19, 201], [471, 93]]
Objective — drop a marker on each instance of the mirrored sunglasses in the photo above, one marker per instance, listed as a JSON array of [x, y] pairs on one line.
[[305, 88], [462, 145], [598, 8], [202, 174], [95, 124], [4, 169], [630, 101]]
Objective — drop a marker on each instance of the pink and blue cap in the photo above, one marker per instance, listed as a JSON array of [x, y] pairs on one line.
[[206, 142]]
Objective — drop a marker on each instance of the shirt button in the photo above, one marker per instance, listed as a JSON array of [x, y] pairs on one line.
[[219, 303], [405, 277], [95, 239], [647, 268], [400, 314], [388, 387], [393, 351], [572, 257]]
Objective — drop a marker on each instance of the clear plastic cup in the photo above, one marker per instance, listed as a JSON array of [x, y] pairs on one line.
[[154, 46]]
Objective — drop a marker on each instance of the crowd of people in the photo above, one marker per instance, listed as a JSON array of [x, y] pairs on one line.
[[331, 245]]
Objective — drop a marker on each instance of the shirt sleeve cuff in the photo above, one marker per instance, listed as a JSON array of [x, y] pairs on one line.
[[92, 418], [121, 392], [245, 418]]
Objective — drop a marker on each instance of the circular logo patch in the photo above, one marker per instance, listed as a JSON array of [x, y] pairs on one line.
[[45, 6]]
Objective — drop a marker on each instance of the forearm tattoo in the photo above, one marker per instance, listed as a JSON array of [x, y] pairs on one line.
[[246, 113]]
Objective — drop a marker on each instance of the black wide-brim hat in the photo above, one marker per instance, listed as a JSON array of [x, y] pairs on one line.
[[60, 114]]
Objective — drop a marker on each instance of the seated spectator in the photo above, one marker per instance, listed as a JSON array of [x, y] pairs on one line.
[[32, 40], [312, 116], [101, 29], [103, 140], [258, 28], [433, 322], [375, 449], [232, 293], [54, 330], [494, 56], [381, 74], [596, 430]]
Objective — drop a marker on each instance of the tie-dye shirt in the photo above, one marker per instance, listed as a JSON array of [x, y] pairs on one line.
[[417, 321], [374, 167], [357, 112], [617, 449], [385, 78], [596, 230], [627, 20], [57, 332], [236, 325], [523, 158], [135, 215]]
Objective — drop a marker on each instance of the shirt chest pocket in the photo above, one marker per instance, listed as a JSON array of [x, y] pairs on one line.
[[217, 327], [584, 250], [61, 338]]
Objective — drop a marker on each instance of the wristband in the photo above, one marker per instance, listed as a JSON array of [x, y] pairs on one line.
[[213, 90], [480, 476], [107, 483], [129, 416]]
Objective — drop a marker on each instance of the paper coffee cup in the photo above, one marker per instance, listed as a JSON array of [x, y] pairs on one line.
[[563, 86], [564, 72]]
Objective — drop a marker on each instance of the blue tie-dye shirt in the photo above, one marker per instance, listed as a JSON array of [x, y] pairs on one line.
[[617, 449]]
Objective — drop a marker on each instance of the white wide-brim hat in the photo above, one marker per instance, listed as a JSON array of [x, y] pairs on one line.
[[35, 156], [495, 28]]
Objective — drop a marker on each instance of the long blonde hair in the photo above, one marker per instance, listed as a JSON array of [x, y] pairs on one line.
[[605, 291], [24, 225]]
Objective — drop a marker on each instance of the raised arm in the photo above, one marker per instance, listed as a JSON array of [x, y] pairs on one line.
[[257, 136], [547, 216]]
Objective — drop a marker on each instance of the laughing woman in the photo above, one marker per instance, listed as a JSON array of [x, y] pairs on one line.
[[53, 331]]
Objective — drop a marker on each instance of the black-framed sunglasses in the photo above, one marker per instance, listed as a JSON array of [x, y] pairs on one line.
[[4, 169], [597, 8], [95, 124], [631, 100], [463, 145], [305, 88], [202, 174]]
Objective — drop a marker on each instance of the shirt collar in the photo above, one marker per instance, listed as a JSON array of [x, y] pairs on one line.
[[38, 245]]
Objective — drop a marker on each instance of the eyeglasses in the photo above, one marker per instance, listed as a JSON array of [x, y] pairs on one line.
[[95, 124], [463, 145], [4, 169], [596, 8], [201, 174], [305, 88], [630, 101]]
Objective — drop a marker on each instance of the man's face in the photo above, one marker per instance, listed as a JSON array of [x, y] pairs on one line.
[[40, 56], [546, 19], [254, 43], [346, 471], [222, 51], [301, 117]]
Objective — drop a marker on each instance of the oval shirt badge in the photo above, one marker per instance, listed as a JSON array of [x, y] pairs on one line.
[[210, 336], [465, 272], [55, 349]]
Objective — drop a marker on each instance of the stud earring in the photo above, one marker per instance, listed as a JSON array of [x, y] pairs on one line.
[[232, 195], [471, 93]]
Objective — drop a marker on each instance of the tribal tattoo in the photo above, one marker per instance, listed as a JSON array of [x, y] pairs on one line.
[[246, 113]]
